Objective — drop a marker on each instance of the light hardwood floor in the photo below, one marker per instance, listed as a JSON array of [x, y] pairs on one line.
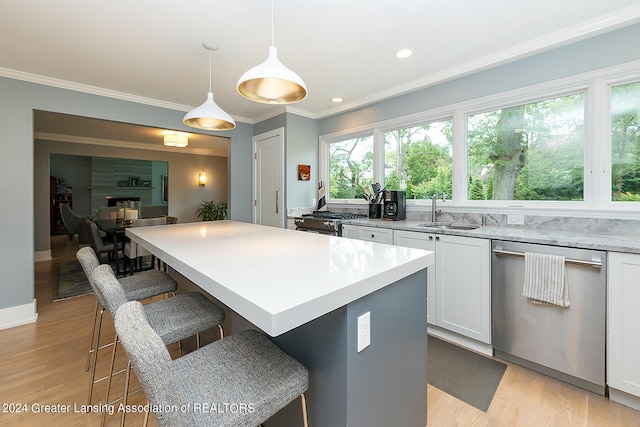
[[43, 364]]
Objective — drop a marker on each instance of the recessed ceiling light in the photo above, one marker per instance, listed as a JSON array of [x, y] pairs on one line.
[[337, 99], [404, 53]]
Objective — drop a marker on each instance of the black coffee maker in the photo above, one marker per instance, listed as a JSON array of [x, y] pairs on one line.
[[395, 205]]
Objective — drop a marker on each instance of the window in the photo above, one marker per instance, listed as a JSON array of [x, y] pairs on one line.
[[418, 160], [569, 144], [528, 152], [350, 167], [625, 142]]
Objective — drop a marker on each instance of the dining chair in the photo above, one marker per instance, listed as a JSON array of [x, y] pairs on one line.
[[98, 243], [133, 252], [73, 223], [243, 368], [172, 319], [139, 287]]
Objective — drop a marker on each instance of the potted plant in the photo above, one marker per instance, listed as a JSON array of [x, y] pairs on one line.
[[212, 211]]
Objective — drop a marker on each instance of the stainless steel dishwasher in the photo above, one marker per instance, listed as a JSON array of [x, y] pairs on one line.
[[565, 343]]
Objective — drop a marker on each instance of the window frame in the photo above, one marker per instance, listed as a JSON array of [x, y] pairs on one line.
[[596, 86]]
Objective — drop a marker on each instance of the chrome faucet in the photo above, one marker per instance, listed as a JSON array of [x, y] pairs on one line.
[[433, 204]]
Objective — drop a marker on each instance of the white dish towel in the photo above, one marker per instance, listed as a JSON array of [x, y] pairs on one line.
[[545, 279]]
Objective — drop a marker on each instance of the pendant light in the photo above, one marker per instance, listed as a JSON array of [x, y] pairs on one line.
[[271, 82], [209, 116]]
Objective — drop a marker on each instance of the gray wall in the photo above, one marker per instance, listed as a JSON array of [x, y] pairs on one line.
[[17, 103], [301, 148]]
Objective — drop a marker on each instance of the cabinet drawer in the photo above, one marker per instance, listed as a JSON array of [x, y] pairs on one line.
[[373, 234]]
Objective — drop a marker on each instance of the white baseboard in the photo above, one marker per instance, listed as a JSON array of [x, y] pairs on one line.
[[477, 346], [18, 315], [42, 256], [624, 398]]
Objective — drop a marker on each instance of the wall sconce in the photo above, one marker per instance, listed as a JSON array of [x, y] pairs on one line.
[[202, 179], [176, 140]]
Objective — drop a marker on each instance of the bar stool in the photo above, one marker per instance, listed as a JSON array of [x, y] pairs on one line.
[[144, 285], [244, 368], [172, 319]]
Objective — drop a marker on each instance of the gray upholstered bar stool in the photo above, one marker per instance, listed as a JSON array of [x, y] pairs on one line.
[[244, 368], [144, 285], [172, 319]]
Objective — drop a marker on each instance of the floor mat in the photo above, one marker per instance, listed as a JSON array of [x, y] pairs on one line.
[[467, 376]]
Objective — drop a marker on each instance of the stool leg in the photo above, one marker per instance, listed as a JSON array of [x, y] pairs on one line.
[[304, 410], [95, 358], [109, 377], [93, 336], [146, 417], [125, 396]]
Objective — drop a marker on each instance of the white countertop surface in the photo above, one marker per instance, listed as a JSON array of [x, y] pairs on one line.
[[276, 278]]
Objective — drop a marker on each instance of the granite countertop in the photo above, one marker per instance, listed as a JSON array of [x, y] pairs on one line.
[[614, 241]]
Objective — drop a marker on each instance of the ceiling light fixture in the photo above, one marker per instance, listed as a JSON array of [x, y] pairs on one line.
[[404, 53], [209, 116], [176, 140], [271, 82], [337, 99]]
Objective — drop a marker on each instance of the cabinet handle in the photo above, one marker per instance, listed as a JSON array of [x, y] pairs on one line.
[[430, 237], [437, 237], [373, 236]]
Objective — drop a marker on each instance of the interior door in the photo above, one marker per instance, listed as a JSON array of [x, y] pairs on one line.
[[268, 172]]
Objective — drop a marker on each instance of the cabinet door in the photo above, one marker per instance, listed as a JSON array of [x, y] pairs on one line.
[[350, 231], [374, 234], [463, 286], [412, 239], [623, 322]]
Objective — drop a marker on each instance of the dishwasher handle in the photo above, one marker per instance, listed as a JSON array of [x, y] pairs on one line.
[[595, 262]]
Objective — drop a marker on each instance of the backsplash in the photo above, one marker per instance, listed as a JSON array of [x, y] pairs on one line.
[[565, 223]]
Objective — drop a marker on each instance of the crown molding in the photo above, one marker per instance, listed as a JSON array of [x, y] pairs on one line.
[[128, 144], [94, 90]]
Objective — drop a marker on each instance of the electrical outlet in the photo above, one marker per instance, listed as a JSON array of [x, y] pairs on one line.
[[364, 331], [515, 219]]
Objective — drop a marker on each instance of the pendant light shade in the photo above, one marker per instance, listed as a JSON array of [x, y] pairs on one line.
[[271, 82], [209, 116]]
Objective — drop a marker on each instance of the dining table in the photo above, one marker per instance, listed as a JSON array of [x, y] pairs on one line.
[[353, 312]]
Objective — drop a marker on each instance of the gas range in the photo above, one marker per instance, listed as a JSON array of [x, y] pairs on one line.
[[324, 222]]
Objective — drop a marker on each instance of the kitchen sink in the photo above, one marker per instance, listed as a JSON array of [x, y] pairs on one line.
[[450, 225]]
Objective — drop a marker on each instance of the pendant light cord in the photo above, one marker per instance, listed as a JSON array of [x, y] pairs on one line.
[[273, 22], [210, 79]]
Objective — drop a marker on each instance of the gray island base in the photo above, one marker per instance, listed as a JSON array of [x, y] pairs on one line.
[[383, 385]]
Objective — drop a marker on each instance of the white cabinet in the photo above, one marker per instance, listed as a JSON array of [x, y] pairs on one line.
[[374, 234], [623, 328], [463, 286], [350, 231], [458, 284], [413, 239]]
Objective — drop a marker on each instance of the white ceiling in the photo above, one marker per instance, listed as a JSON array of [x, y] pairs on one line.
[[151, 51]]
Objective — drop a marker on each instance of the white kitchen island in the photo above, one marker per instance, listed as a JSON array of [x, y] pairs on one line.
[[306, 291]]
